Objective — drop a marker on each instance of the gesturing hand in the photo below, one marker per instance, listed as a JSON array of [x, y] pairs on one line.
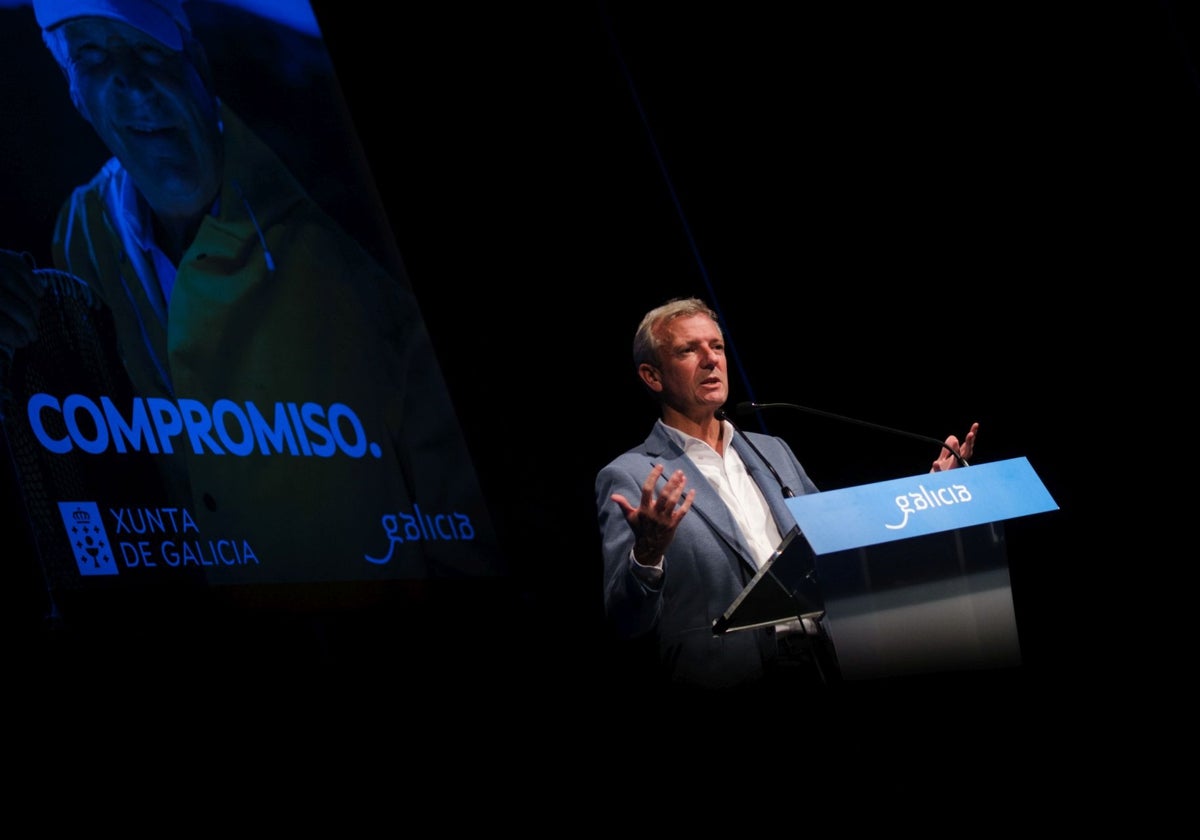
[[946, 459], [657, 515]]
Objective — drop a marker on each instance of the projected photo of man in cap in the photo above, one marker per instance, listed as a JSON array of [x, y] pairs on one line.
[[284, 380]]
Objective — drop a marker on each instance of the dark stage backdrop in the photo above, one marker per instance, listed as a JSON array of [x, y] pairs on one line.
[[896, 211]]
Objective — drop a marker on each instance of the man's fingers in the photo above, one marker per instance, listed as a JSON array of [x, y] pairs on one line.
[[650, 482], [686, 506]]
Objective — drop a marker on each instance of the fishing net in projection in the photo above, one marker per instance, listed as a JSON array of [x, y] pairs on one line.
[[75, 353]]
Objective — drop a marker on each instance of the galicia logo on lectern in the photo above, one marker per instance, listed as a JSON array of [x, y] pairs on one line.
[[89, 541], [916, 502]]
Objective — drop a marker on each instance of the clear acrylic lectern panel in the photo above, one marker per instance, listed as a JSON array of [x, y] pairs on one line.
[[936, 603]]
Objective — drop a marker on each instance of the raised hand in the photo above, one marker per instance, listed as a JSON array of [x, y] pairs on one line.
[[966, 449], [657, 515]]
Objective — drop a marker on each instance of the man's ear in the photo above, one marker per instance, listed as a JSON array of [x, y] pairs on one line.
[[651, 376]]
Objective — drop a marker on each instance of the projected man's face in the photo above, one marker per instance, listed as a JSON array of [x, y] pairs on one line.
[[151, 108]]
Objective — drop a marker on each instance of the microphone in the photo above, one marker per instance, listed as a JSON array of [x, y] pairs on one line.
[[788, 493], [746, 408]]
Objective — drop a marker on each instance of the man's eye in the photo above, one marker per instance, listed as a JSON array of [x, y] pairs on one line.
[[89, 55], [151, 55]]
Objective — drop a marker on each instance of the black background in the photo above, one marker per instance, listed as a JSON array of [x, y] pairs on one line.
[[921, 218], [917, 217], [911, 217]]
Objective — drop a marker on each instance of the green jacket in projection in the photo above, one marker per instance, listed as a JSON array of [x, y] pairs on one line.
[[292, 378]]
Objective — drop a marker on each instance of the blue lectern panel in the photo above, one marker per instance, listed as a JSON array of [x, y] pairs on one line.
[[904, 508]]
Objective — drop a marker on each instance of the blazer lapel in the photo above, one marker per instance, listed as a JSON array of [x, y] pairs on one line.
[[708, 504], [773, 493]]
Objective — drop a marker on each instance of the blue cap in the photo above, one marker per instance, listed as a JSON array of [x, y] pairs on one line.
[[163, 20]]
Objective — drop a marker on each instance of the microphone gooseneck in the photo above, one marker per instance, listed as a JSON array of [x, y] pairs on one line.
[[746, 408], [788, 493]]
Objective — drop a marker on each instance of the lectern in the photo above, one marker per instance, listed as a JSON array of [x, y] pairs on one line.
[[908, 576]]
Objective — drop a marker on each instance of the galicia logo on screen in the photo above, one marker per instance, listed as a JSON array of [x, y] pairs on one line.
[[227, 428], [404, 527]]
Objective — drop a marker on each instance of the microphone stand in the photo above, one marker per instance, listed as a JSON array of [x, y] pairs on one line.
[[751, 407], [788, 493]]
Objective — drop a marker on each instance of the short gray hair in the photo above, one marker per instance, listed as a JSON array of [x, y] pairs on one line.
[[647, 342]]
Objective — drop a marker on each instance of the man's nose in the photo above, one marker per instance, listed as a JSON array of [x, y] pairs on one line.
[[130, 73]]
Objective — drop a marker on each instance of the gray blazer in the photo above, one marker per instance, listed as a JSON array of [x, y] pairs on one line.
[[705, 568]]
